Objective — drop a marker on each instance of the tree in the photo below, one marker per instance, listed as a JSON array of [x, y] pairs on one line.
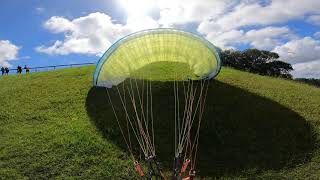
[[257, 61]]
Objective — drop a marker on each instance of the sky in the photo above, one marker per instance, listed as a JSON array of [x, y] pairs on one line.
[[46, 32]]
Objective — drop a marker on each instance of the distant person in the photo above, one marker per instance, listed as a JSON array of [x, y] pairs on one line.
[[2, 71], [6, 70], [27, 69], [19, 69]]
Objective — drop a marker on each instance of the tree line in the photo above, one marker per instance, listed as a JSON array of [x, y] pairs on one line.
[[257, 61], [311, 81], [261, 62]]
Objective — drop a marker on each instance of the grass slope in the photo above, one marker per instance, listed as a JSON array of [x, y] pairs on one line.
[[55, 125], [164, 71]]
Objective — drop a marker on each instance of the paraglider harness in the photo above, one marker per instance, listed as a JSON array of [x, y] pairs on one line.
[[180, 168], [154, 169]]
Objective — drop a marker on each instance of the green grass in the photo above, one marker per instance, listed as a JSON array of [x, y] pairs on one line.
[[55, 125], [171, 71]]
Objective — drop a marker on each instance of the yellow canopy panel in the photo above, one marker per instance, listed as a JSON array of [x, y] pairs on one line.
[[137, 50]]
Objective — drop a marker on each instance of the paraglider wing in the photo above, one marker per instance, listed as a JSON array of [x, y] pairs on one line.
[[157, 45]]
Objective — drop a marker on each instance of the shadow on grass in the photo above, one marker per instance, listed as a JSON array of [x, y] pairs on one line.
[[240, 132]]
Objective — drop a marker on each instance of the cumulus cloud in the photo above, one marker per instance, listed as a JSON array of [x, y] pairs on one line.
[[91, 34], [314, 19], [231, 14], [264, 38], [307, 70], [255, 13], [267, 38], [8, 52], [300, 50], [304, 54], [317, 35], [226, 40], [188, 11], [58, 24]]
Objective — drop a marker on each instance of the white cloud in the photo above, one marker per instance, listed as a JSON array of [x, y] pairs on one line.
[[187, 11], [304, 55], [40, 10], [299, 51], [267, 38], [307, 70], [264, 38], [317, 35], [58, 25], [8, 52], [314, 19], [254, 13], [91, 34], [138, 23], [226, 40], [231, 14]]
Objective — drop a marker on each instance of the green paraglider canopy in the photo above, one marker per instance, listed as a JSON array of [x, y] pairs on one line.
[[137, 50]]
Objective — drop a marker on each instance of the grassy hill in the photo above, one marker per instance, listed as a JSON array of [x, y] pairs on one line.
[[55, 125]]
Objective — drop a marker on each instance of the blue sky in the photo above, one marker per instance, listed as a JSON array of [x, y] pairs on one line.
[[43, 32], [22, 24]]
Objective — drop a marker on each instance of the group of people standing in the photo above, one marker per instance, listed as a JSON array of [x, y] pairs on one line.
[[6, 70], [19, 69]]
